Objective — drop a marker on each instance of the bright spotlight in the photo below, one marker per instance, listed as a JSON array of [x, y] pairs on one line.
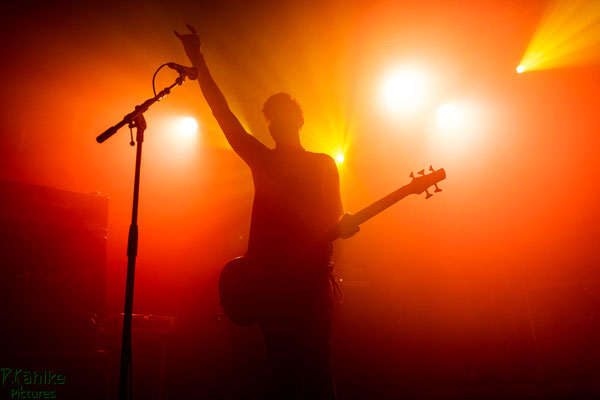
[[448, 116], [187, 127], [520, 69], [339, 158], [460, 125], [404, 90]]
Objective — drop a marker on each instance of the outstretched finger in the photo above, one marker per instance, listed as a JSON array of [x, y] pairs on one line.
[[191, 28], [177, 34]]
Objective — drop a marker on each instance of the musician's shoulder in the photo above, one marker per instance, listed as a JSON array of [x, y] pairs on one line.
[[323, 158]]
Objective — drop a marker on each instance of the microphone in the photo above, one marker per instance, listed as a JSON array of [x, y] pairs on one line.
[[191, 73]]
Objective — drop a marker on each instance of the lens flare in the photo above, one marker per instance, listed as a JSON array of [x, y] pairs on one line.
[[339, 158]]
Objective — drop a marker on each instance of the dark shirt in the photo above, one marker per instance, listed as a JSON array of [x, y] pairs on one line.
[[297, 199]]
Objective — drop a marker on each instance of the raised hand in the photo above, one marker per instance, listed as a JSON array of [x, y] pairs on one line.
[[190, 41]]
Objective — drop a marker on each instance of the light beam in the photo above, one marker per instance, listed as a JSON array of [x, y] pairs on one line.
[[568, 35]]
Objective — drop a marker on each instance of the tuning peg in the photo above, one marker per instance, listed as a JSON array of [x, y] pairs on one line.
[[412, 175], [421, 172], [437, 189], [428, 194], [431, 168]]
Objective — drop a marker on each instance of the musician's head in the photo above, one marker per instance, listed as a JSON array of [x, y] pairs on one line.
[[284, 117]]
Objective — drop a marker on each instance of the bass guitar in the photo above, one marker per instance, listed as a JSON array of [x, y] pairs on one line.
[[240, 296]]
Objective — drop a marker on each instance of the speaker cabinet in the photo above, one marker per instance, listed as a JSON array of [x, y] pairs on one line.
[[53, 255]]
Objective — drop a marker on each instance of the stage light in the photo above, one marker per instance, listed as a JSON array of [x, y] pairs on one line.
[[339, 158], [404, 90], [448, 117], [567, 35], [460, 126], [520, 69], [187, 127]]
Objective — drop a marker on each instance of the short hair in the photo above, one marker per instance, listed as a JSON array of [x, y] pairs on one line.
[[283, 105]]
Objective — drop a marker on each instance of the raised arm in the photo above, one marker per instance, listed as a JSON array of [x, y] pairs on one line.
[[244, 144]]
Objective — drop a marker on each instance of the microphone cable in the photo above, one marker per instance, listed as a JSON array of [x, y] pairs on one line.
[[154, 78]]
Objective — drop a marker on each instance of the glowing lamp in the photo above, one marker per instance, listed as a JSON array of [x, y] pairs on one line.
[[404, 90], [187, 127], [449, 118], [520, 69], [448, 114]]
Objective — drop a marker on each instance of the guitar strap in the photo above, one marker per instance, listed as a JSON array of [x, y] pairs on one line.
[[338, 294]]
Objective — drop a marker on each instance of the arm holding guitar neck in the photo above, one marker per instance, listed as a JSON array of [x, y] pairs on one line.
[[351, 222], [417, 186]]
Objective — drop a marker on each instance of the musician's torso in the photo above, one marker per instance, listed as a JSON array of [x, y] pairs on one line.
[[296, 199]]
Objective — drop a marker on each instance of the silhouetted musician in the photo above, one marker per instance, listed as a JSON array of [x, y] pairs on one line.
[[297, 198]]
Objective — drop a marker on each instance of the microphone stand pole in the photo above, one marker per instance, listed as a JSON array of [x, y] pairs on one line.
[[136, 120]]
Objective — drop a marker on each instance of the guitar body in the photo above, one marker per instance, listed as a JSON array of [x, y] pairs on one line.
[[240, 291]]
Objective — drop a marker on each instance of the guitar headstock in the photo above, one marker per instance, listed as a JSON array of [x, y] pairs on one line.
[[420, 184]]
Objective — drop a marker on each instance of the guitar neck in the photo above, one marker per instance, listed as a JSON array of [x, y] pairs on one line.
[[372, 210], [417, 186]]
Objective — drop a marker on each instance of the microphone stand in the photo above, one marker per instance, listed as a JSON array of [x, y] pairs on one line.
[[136, 120]]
